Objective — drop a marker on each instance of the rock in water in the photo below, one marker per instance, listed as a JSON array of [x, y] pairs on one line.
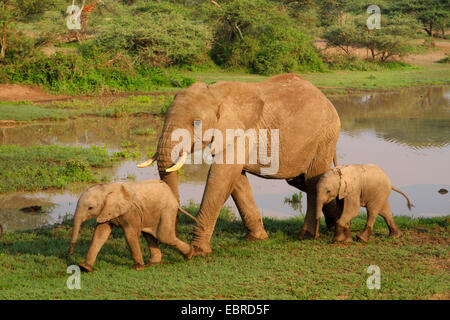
[[31, 209]]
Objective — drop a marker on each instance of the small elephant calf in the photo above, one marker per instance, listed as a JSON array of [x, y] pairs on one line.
[[363, 185], [148, 206]]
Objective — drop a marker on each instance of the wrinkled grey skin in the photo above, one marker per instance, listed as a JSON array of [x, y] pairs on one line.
[[148, 206], [357, 186]]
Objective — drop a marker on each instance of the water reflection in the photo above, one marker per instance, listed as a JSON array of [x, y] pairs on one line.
[[417, 117], [108, 132], [405, 132]]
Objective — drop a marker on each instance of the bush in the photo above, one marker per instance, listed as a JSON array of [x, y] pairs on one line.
[[76, 74], [261, 37], [157, 38], [353, 63], [392, 39]]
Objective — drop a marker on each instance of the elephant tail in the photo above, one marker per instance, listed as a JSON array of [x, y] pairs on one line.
[[188, 214], [409, 204]]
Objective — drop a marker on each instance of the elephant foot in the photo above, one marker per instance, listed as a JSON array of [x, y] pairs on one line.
[[253, 237], [71, 249], [395, 234], [138, 267], [342, 234], [364, 236], [86, 267], [152, 261], [201, 251], [190, 254], [306, 234]]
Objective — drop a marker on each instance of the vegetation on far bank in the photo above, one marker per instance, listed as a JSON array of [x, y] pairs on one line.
[[54, 166], [341, 82], [147, 46], [33, 264], [113, 107]]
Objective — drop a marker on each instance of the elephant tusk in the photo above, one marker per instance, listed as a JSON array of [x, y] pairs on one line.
[[148, 162], [179, 163]]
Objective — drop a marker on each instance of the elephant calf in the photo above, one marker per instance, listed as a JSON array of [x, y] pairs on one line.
[[359, 186], [148, 206]]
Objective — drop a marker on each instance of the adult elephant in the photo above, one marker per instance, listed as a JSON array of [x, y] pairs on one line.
[[308, 129]]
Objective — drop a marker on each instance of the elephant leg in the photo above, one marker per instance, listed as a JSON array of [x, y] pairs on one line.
[[155, 251], [332, 211], [132, 237], [245, 202], [394, 231], [372, 213], [166, 234], [309, 229], [172, 240], [101, 234], [351, 209], [219, 185]]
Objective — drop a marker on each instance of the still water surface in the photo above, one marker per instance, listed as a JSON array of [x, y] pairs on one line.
[[405, 132]]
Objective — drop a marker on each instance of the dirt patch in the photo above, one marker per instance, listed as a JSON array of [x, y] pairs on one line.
[[437, 236], [441, 50], [9, 123], [16, 92]]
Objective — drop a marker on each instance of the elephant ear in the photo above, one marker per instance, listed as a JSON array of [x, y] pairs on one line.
[[240, 111], [347, 182], [117, 203]]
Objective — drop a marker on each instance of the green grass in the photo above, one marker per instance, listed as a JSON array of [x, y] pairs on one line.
[[116, 107], [52, 166], [33, 264], [434, 74], [113, 107], [339, 82], [28, 112]]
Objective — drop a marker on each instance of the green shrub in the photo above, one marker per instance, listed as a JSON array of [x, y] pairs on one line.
[[392, 39], [261, 37], [157, 38], [353, 63], [76, 74]]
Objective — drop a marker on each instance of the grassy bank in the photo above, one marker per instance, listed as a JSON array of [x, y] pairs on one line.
[[33, 264], [338, 82], [111, 106], [53, 166]]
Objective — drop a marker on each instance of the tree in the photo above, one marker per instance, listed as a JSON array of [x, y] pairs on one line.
[[432, 14], [341, 36], [392, 39], [332, 11], [17, 10], [262, 37]]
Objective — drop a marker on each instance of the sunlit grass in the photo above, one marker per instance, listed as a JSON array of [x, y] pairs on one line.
[[33, 264]]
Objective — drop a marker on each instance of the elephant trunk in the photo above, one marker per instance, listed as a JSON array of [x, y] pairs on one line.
[[78, 220], [165, 147], [319, 207]]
